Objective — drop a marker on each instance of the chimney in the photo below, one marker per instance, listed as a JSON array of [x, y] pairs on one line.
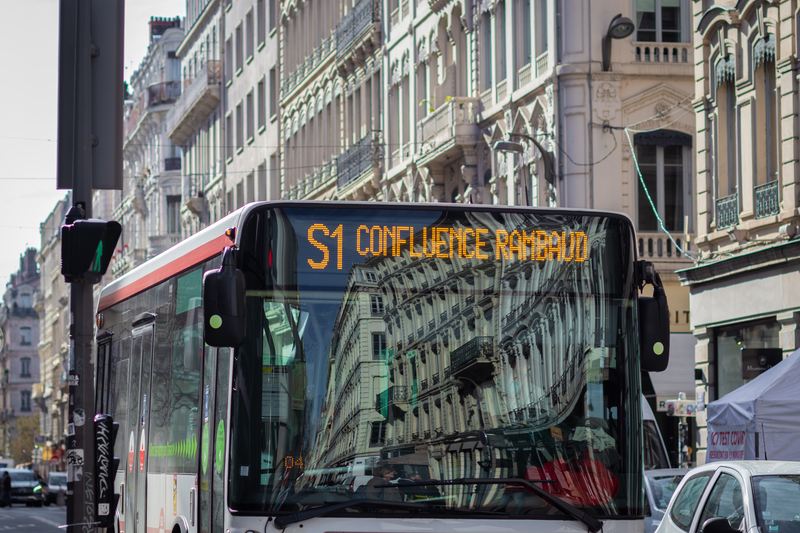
[[158, 25]]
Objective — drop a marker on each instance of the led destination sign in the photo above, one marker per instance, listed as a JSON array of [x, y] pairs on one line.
[[444, 242]]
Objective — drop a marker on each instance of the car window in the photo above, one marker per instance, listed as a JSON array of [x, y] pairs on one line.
[[725, 501], [687, 500], [663, 487], [777, 503], [22, 475]]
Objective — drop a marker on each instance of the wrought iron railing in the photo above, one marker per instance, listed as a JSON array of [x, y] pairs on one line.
[[358, 159], [767, 200], [163, 93], [477, 348], [353, 25], [728, 211], [306, 67]]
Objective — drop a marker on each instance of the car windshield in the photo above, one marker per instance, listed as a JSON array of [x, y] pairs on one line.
[[662, 488], [58, 479], [462, 344], [777, 503], [22, 475]]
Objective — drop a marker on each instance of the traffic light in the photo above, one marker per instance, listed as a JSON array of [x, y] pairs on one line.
[[86, 249], [105, 433]]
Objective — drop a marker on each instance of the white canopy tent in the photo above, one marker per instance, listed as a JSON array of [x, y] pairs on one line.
[[768, 411]]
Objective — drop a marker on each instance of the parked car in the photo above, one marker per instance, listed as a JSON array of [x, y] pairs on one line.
[[729, 496], [56, 484], [659, 485], [25, 486], [350, 484]]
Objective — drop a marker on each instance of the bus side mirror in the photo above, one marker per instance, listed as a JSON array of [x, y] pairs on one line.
[[653, 324], [223, 304]]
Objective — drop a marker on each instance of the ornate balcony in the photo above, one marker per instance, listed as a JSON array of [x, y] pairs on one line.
[[664, 53], [728, 211], [358, 159], [361, 20], [767, 199], [196, 104], [658, 247], [452, 125], [163, 93], [476, 350]]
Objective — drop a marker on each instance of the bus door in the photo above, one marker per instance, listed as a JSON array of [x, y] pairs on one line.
[[139, 423]]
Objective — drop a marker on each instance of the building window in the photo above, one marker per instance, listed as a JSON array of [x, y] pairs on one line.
[[240, 126], [250, 116], [25, 367], [377, 435], [766, 131], [25, 301], [376, 304], [273, 92], [262, 103], [273, 14], [250, 33], [229, 136], [370, 276], [173, 214], [25, 336], [743, 352], [25, 401], [261, 13], [239, 48], [228, 60], [541, 27], [658, 21], [726, 134], [664, 158], [486, 52], [379, 346]]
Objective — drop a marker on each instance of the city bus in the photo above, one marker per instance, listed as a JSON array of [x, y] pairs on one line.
[[481, 364]]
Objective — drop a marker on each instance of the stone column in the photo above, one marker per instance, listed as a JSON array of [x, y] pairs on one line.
[[703, 360], [790, 334]]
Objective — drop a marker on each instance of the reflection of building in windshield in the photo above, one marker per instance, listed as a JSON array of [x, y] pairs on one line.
[[484, 359], [351, 432]]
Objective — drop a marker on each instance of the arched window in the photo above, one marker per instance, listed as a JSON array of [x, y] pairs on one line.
[[726, 134], [664, 158], [767, 137]]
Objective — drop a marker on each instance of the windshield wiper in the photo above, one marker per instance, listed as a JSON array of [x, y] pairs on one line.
[[282, 521], [592, 523]]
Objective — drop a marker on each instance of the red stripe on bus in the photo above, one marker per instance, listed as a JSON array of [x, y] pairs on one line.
[[182, 263]]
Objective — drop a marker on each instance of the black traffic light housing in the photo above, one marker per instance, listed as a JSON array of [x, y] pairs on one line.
[[86, 249], [105, 433]]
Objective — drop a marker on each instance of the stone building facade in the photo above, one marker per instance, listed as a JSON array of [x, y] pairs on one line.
[[19, 358], [148, 207], [744, 289]]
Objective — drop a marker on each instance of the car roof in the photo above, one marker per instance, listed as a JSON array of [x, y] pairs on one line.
[[660, 472], [754, 468]]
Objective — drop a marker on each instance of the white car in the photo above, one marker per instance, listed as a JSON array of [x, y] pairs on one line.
[[659, 487], [733, 496]]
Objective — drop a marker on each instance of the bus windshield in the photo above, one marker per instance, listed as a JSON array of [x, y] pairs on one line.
[[391, 346]]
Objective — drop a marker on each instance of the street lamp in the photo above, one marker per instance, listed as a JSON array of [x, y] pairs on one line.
[[619, 28], [547, 157]]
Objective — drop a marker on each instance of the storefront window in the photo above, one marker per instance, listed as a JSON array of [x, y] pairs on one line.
[[744, 352]]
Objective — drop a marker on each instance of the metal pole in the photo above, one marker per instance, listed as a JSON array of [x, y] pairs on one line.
[[80, 444]]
